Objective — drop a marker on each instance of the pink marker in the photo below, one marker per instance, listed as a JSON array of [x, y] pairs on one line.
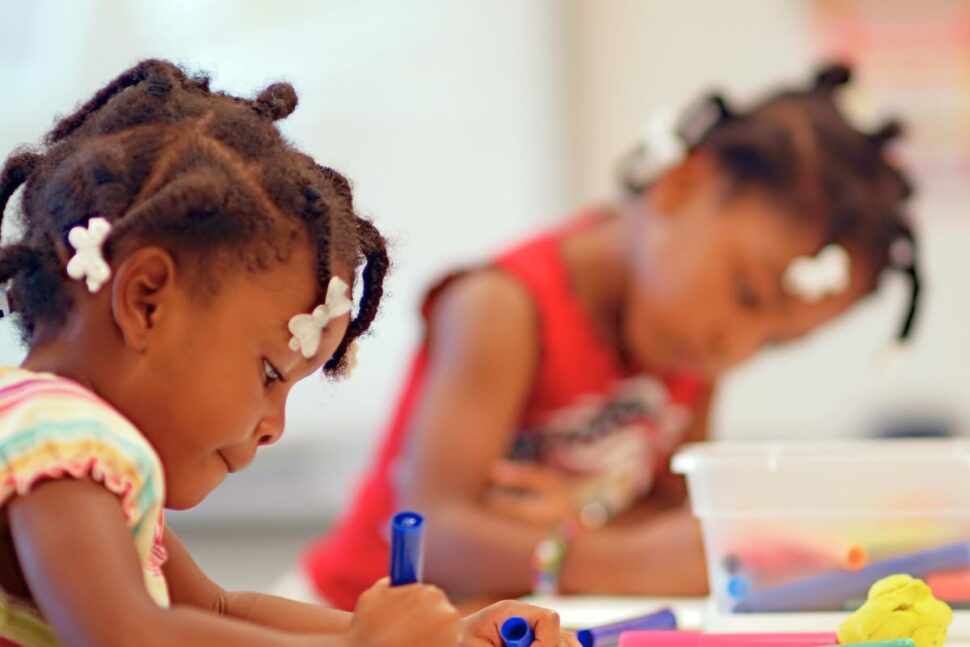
[[953, 586], [686, 639]]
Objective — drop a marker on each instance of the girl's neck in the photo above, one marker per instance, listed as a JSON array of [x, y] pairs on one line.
[[63, 356], [596, 259]]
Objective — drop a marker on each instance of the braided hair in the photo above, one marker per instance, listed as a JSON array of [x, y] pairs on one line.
[[167, 160], [798, 146]]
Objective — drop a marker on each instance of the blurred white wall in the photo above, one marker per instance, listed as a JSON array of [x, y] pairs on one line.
[[466, 124], [447, 116], [631, 57]]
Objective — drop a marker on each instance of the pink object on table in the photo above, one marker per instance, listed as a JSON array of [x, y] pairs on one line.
[[687, 639], [950, 587]]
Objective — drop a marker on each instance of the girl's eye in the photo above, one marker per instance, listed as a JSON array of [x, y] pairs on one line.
[[746, 294], [270, 374]]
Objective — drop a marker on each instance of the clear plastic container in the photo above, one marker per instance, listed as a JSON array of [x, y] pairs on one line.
[[794, 527]]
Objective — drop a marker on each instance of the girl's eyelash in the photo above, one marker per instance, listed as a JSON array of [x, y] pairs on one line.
[[270, 373], [746, 293]]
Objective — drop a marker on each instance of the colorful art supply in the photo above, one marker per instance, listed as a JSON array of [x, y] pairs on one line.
[[904, 642], [731, 563], [829, 591], [777, 555], [687, 639], [899, 606], [739, 586], [953, 587], [407, 548], [856, 557], [516, 632], [609, 635]]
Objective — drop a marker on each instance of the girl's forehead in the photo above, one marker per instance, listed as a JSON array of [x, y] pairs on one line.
[[770, 230]]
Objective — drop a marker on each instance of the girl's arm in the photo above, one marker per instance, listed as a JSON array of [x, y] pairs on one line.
[[484, 354], [188, 585], [76, 554]]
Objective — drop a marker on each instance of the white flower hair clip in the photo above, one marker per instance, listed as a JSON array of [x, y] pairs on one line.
[[666, 139], [662, 143], [307, 328], [812, 278], [5, 308], [88, 261]]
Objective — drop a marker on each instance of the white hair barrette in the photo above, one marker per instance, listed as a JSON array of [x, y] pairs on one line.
[[307, 328], [666, 139], [662, 143], [88, 261], [812, 278], [5, 308]]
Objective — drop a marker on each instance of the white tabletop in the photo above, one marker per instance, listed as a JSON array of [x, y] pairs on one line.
[[578, 612]]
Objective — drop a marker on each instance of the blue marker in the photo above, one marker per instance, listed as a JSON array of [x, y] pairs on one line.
[[829, 591], [407, 550], [516, 632], [731, 563], [738, 586], [610, 634]]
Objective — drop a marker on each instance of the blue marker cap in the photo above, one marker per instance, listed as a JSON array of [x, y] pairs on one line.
[[516, 632], [407, 550], [610, 634], [738, 586]]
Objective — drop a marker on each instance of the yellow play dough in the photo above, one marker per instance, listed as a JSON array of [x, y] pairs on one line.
[[899, 607]]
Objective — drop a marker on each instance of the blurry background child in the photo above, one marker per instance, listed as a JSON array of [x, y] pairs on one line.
[[590, 354]]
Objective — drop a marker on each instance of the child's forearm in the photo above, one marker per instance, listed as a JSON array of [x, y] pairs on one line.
[[659, 556], [185, 626], [272, 611], [478, 552]]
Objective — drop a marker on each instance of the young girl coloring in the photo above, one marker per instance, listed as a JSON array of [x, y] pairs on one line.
[[589, 355], [181, 267]]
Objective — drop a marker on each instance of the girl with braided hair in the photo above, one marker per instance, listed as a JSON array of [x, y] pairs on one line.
[[555, 382], [181, 267]]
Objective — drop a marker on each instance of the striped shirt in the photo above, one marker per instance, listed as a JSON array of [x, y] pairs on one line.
[[54, 428]]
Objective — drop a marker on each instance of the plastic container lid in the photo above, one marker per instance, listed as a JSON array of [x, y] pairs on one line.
[[863, 478]]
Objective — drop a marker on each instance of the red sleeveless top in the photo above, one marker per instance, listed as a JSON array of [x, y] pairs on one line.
[[606, 430]]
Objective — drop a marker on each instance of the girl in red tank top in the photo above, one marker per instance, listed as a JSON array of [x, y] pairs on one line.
[[554, 383]]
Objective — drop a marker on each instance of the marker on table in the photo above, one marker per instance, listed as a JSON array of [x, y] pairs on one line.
[[516, 632], [830, 590], [787, 556], [606, 635], [903, 642], [407, 549], [687, 639], [738, 586], [952, 587]]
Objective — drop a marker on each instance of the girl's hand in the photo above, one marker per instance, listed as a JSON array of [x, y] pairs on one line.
[[530, 492], [484, 628], [404, 616]]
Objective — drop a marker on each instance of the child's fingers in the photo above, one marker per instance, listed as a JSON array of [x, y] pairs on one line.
[[534, 509], [526, 476], [544, 622], [545, 625]]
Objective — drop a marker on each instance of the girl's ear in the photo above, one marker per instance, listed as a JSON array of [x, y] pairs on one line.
[[141, 294]]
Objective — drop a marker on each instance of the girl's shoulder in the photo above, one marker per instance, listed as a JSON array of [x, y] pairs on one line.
[[53, 427]]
